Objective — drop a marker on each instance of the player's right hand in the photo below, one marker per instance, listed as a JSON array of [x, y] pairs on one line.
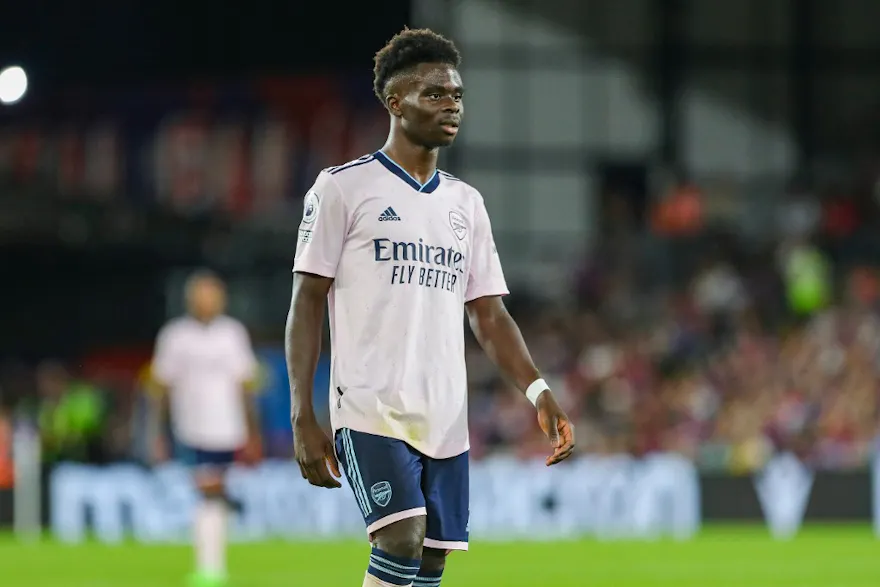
[[314, 453]]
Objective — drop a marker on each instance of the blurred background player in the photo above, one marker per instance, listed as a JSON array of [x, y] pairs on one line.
[[203, 367], [401, 248]]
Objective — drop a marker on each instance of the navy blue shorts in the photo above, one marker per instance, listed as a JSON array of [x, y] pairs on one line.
[[207, 459], [393, 481]]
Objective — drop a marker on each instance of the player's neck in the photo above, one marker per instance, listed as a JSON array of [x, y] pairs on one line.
[[204, 319], [416, 160]]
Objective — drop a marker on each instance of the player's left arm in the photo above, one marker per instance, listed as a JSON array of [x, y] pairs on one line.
[[502, 340]]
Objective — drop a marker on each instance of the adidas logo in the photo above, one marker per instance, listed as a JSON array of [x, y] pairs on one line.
[[389, 215]]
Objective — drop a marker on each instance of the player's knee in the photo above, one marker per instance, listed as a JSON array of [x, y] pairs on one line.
[[213, 493], [211, 487], [403, 538], [433, 559]]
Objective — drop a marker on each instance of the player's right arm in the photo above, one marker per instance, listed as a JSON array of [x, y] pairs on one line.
[[163, 371], [312, 448], [319, 247]]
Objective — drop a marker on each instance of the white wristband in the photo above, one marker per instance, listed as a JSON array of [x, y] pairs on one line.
[[534, 390]]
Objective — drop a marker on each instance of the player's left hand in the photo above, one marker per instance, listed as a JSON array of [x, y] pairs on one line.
[[556, 425], [253, 450], [159, 451]]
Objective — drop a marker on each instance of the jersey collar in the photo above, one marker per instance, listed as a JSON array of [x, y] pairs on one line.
[[425, 188]]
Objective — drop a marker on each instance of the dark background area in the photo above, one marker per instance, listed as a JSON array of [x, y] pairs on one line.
[[99, 43], [60, 298]]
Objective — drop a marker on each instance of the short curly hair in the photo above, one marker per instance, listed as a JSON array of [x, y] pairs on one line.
[[406, 50]]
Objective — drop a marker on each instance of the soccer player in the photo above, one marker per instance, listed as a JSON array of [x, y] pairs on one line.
[[204, 364], [400, 250]]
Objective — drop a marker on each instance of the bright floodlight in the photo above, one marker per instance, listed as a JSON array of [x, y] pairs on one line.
[[13, 84]]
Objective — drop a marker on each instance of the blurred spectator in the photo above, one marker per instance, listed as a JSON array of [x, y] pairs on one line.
[[840, 216], [679, 213], [799, 213], [719, 294], [71, 416], [807, 276], [6, 465]]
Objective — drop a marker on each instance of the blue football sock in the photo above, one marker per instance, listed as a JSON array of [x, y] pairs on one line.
[[428, 578], [392, 569]]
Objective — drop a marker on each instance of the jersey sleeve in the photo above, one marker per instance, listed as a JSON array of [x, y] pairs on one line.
[[322, 230], [166, 365], [486, 278]]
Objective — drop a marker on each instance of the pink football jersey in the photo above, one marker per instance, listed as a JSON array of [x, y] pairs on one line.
[[405, 257], [206, 367]]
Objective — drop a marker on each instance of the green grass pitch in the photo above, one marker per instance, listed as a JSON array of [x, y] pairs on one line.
[[720, 557]]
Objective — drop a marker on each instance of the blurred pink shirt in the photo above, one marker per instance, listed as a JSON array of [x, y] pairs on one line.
[[206, 368]]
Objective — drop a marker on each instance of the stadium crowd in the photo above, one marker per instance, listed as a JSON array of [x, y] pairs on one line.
[[727, 399], [750, 351], [741, 356]]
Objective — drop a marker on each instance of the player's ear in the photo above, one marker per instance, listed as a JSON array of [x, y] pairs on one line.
[[392, 103]]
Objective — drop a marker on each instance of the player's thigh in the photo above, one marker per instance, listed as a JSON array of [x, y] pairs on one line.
[[445, 484], [385, 476]]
